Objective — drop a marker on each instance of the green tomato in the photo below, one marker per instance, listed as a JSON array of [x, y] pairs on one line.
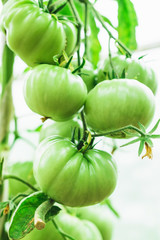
[[117, 103], [133, 69], [62, 129], [76, 228], [71, 37], [73, 178], [87, 74], [54, 92], [98, 215], [34, 35]]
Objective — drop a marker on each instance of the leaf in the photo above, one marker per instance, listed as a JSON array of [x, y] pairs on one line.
[[142, 127], [131, 142], [37, 129], [127, 22], [149, 141], [22, 221], [141, 146], [155, 127], [155, 136], [52, 212], [108, 21], [94, 46]]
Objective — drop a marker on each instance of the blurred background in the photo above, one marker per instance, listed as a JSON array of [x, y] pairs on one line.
[[137, 195]]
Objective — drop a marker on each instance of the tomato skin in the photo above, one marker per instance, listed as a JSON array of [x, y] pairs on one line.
[[99, 215], [87, 74], [34, 35], [62, 129], [134, 69], [71, 177], [78, 229], [71, 37], [54, 92], [117, 103]]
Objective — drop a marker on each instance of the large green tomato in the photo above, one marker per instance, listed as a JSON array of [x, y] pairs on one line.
[[71, 177], [54, 92], [98, 215], [62, 129], [69, 225], [132, 69], [34, 35], [117, 103]]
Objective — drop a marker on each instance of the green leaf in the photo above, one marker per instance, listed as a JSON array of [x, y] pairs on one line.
[[131, 142], [22, 221], [155, 127], [141, 146], [149, 141], [51, 213], [155, 136], [94, 46], [142, 127], [127, 22], [37, 129], [108, 21]]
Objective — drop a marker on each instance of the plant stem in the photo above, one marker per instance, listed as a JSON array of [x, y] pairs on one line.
[[18, 196], [20, 180], [98, 16], [119, 130], [64, 235], [85, 30], [40, 213], [79, 25], [84, 124]]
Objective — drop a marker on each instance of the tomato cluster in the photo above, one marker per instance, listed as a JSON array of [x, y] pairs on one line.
[[71, 172], [35, 35]]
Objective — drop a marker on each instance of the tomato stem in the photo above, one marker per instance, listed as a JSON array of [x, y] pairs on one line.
[[79, 26], [40, 213], [64, 235], [98, 16], [130, 127], [5, 177], [85, 30]]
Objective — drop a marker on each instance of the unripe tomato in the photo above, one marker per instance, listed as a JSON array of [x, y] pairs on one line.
[[76, 228], [62, 129], [71, 177], [54, 92], [117, 103], [132, 69], [87, 74], [99, 215], [34, 35], [71, 37]]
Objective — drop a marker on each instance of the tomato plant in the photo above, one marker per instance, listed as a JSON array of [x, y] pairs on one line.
[[83, 99], [122, 67], [48, 91], [118, 103], [77, 179]]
